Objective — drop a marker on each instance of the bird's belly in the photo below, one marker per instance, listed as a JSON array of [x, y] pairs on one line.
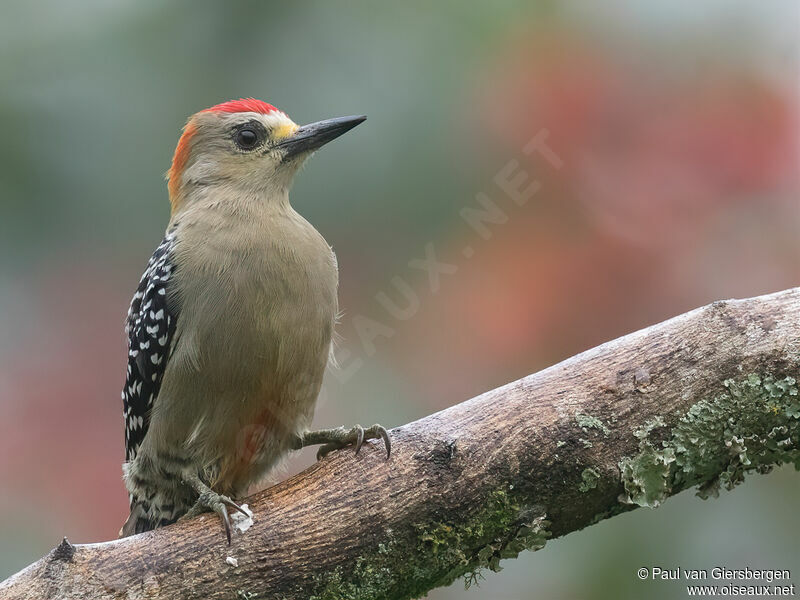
[[248, 378]]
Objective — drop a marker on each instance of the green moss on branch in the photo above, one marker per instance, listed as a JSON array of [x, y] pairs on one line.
[[438, 553]]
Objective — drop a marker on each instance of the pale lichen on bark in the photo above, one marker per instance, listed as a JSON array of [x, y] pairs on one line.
[[752, 424]]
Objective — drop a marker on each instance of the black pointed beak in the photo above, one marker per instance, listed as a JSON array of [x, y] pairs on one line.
[[315, 135]]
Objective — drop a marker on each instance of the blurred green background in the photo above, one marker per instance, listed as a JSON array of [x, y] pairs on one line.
[[677, 124]]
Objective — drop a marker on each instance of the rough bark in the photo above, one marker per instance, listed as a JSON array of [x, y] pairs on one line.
[[695, 401]]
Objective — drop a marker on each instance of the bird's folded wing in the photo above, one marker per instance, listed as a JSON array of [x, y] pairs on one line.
[[150, 327]]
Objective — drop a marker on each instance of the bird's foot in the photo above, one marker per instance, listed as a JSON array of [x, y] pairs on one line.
[[333, 439], [209, 500]]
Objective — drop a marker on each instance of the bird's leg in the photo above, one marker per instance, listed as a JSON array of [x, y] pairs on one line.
[[339, 437], [209, 500]]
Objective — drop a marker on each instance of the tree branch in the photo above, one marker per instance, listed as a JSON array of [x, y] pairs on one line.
[[695, 401]]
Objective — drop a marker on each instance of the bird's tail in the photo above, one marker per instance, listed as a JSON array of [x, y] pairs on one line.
[[143, 518]]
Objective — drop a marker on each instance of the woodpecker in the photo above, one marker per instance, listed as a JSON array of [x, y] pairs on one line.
[[230, 329]]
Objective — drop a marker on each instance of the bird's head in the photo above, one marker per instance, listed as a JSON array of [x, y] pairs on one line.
[[247, 145]]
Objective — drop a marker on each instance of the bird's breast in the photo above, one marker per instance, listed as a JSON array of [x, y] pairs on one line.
[[257, 304]]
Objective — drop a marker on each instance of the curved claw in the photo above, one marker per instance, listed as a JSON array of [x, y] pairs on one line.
[[226, 521], [231, 504], [381, 430], [359, 437]]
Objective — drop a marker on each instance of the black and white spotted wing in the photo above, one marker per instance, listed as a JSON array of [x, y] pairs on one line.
[[150, 327]]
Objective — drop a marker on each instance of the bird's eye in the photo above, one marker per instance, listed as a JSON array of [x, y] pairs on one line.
[[246, 138]]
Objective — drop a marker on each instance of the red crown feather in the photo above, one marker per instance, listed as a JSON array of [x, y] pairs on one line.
[[243, 105]]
